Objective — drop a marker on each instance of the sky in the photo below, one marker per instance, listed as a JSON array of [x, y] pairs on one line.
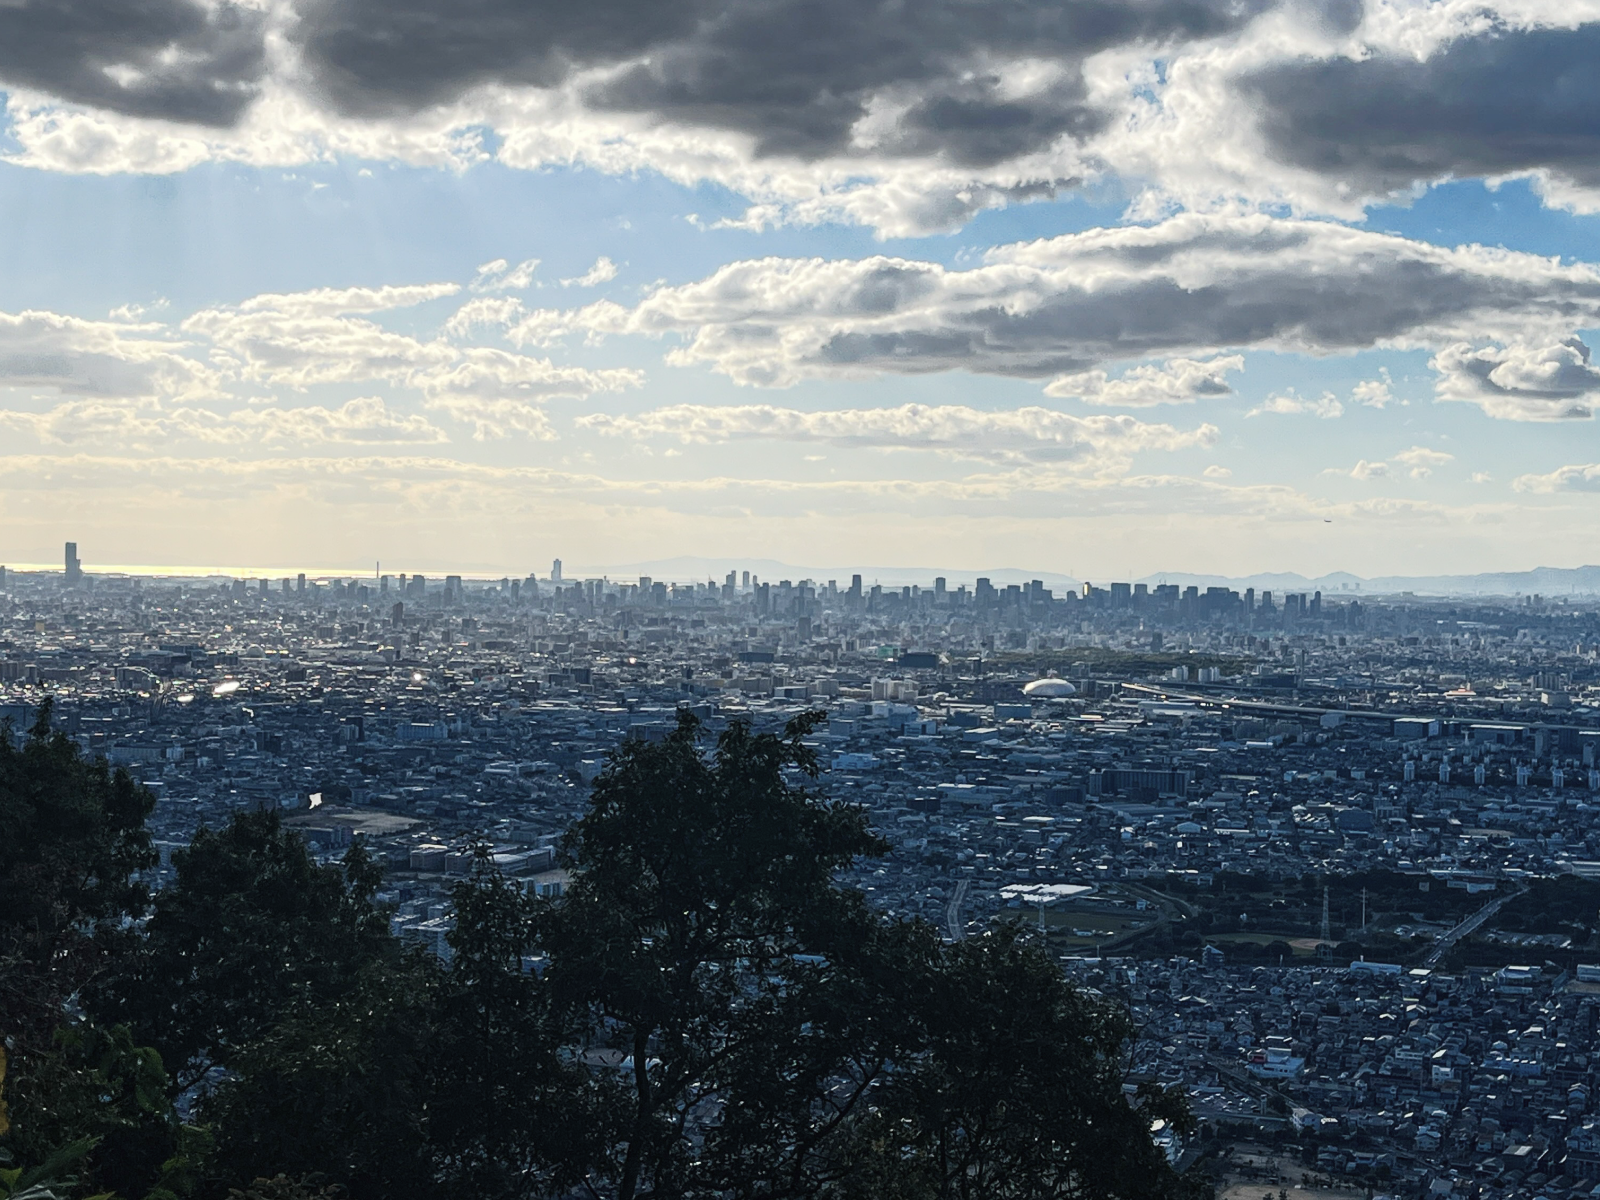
[[1101, 288]]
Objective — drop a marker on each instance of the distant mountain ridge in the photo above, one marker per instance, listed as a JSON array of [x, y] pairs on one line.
[[1547, 581]]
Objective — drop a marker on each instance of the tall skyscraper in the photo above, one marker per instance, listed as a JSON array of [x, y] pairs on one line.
[[74, 567], [555, 571]]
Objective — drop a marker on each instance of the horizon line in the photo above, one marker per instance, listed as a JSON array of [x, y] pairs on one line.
[[619, 572]]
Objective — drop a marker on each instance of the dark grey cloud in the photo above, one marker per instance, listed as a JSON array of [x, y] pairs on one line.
[[372, 57], [1494, 104], [1299, 285], [1063, 306], [797, 75], [1074, 330], [149, 58]]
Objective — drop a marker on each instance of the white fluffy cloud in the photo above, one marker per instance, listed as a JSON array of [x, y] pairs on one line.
[[1180, 381], [1581, 477], [1290, 404], [1365, 470], [492, 418], [488, 373], [1059, 308], [1420, 460], [1374, 393], [501, 276], [114, 422], [297, 350], [307, 339], [603, 271], [336, 302], [140, 383], [1549, 381], [365, 420], [43, 350], [1028, 435], [484, 312]]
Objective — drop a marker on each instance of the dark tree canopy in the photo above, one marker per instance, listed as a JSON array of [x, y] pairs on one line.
[[72, 839], [74, 836], [1014, 1084], [515, 1113], [337, 1092], [706, 1013], [698, 883], [251, 930]]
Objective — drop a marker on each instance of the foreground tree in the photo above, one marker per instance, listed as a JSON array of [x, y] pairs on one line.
[[700, 881], [907, 1069], [813, 1056], [515, 1115], [336, 1092], [421, 1079], [83, 1105], [774, 1038], [705, 1013], [1014, 1089], [74, 839], [252, 931]]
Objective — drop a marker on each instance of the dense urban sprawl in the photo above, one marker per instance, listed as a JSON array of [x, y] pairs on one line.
[[1336, 853]]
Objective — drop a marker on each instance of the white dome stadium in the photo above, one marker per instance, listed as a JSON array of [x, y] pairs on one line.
[[1049, 689]]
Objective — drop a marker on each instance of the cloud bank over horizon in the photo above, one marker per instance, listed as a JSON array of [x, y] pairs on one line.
[[1058, 310], [1226, 265]]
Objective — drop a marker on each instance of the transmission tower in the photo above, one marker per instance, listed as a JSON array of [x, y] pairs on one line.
[[1325, 941]]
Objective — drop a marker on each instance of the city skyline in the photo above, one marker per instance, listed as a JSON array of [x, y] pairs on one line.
[[1557, 584]]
